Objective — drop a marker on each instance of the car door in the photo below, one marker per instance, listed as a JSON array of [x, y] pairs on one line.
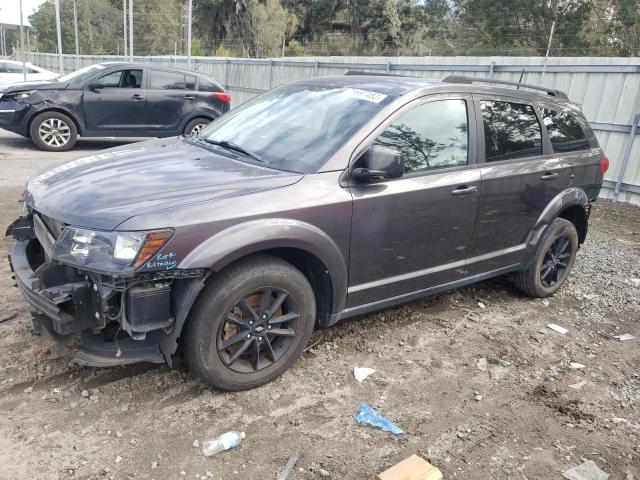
[[412, 233], [115, 102], [171, 99], [520, 176]]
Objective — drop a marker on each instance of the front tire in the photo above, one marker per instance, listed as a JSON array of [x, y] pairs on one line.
[[250, 324], [553, 261], [53, 132]]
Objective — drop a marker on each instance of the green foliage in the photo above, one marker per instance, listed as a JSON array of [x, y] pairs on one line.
[[99, 27], [258, 28]]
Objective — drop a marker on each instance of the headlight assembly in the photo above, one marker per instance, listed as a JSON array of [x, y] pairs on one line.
[[17, 95], [110, 252]]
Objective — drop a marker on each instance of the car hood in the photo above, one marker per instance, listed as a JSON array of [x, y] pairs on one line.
[[103, 190], [32, 85]]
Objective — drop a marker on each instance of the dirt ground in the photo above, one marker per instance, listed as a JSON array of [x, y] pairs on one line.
[[521, 413]]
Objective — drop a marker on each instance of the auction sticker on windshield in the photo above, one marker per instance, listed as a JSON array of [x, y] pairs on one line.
[[365, 95]]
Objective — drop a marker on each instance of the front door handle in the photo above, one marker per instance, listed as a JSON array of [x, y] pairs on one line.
[[464, 190], [549, 176], [137, 96], [189, 97]]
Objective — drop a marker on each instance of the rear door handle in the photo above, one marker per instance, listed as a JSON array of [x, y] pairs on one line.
[[549, 176], [189, 97], [464, 190], [137, 96]]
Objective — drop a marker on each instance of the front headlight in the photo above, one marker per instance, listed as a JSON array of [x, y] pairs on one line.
[[17, 95], [112, 252]]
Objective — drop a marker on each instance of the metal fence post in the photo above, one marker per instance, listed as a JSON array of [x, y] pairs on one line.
[[625, 157], [226, 74]]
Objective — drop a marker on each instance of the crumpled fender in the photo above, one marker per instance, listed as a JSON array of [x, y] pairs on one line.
[[258, 235], [565, 199]]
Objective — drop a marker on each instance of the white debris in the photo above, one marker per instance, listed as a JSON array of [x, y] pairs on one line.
[[482, 305], [361, 373], [196, 444], [477, 396], [579, 385], [625, 337], [482, 364], [118, 459], [586, 471], [557, 328], [576, 366], [28, 390]]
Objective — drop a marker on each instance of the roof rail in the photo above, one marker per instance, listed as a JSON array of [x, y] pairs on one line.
[[376, 74], [469, 80]]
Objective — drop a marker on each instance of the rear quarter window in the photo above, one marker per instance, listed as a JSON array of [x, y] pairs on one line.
[[565, 131], [511, 130], [207, 85]]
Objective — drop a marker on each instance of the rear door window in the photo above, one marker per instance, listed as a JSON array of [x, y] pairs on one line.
[[430, 136], [161, 80], [565, 131], [511, 130]]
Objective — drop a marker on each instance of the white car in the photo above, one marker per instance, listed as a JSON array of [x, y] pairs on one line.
[[11, 71]]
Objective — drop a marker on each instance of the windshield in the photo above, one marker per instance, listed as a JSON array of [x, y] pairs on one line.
[[81, 74], [296, 127]]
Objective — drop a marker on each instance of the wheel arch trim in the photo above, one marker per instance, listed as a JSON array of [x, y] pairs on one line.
[[256, 236], [58, 109], [570, 197]]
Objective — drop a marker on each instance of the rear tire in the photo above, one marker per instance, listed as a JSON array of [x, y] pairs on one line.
[[553, 261], [233, 347], [53, 132], [194, 126]]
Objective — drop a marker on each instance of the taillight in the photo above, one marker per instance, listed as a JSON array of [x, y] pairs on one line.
[[604, 165], [224, 97]]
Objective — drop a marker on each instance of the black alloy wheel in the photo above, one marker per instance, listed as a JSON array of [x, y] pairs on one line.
[[258, 330], [556, 261]]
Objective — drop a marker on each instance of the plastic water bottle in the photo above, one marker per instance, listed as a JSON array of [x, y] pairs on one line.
[[223, 442]]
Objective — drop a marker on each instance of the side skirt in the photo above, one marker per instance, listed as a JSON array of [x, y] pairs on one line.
[[407, 297]]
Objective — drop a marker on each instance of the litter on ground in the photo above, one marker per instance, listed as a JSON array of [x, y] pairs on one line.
[[625, 337], [369, 416], [293, 459], [361, 373], [588, 470], [411, 468], [557, 328]]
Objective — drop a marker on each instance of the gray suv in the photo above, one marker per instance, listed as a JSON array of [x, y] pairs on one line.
[[314, 202]]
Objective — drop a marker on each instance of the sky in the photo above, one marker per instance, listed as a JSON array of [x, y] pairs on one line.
[[10, 10]]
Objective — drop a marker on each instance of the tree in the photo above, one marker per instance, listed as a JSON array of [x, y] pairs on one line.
[[99, 27], [505, 26]]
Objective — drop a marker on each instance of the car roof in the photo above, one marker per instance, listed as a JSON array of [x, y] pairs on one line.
[[150, 65], [14, 62], [401, 85]]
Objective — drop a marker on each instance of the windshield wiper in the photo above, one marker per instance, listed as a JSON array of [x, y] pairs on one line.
[[232, 146]]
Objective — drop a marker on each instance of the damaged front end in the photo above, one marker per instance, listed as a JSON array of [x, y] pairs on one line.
[[101, 316]]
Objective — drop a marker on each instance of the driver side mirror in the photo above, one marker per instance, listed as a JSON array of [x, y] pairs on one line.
[[379, 163], [95, 86]]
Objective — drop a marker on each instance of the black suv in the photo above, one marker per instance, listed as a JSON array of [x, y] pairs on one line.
[[111, 100], [314, 202]]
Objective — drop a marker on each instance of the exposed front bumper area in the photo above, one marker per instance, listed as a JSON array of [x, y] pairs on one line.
[[14, 116], [96, 319]]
